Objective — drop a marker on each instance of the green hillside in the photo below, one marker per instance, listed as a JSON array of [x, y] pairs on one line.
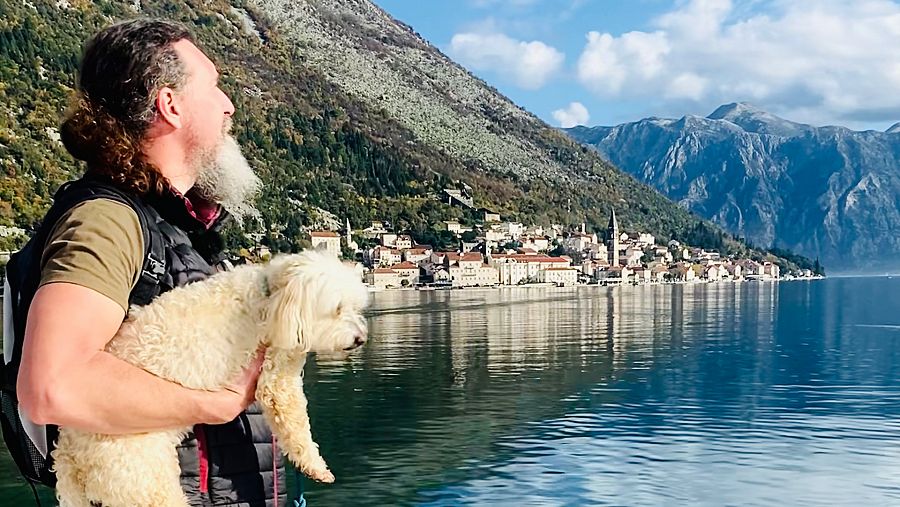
[[317, 136]]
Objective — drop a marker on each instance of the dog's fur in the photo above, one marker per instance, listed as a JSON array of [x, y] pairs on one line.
[[201, 336]]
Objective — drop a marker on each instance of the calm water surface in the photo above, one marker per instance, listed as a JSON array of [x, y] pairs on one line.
[[713, 394]]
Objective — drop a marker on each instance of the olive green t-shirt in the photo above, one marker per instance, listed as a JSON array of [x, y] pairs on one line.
[[97, 244]]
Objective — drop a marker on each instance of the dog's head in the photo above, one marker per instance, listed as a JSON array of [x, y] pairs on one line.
[[315, 303]]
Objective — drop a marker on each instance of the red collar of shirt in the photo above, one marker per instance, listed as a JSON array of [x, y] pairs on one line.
[[203, 210]]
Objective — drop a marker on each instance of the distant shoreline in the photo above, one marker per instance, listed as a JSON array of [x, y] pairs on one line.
[[596, 285]]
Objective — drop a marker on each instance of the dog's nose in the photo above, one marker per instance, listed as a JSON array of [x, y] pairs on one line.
[[359, 340]]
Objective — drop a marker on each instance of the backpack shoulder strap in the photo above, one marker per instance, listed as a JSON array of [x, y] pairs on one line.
[[153, 268]]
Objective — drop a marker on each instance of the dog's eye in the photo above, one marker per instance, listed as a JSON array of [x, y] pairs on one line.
[[339, 309]]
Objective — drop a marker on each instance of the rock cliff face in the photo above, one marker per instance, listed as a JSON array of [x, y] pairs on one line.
[[825, 192]]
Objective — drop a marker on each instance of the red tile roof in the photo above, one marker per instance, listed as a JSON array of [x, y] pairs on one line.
[[531, 258], [323, 234], [404, 265]]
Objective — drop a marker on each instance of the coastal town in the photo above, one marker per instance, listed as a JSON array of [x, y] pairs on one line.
[[497, 253]]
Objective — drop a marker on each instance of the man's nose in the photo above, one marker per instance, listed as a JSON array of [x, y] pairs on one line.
[[229, 106]]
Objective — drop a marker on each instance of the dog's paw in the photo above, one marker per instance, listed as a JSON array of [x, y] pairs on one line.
[[323, 475]]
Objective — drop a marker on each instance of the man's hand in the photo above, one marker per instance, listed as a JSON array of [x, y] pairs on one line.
[[228, 403]]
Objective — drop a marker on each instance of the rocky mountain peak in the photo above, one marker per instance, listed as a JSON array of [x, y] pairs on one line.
[[753, 119], [826, 192]]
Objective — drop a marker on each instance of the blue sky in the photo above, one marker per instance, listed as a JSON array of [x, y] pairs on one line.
[[604, 62]]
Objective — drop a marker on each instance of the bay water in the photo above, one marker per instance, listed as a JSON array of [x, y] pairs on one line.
[[714, 394]]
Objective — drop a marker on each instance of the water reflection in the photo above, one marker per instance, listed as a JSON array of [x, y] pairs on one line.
[[637, 395]]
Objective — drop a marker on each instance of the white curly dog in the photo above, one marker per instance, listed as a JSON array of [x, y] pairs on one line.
[[201, 336]]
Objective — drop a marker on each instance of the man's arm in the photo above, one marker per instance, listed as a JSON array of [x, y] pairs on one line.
[[67, 379]]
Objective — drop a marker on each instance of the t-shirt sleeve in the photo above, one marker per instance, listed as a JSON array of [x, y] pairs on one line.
[[97, 244]]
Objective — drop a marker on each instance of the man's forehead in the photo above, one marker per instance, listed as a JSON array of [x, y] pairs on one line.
[[193, 58]]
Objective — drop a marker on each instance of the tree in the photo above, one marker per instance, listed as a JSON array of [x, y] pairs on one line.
[[347, 253]]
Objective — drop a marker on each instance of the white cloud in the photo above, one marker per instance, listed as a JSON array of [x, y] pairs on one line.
[[528, 64], [818, 60], [575, 114]]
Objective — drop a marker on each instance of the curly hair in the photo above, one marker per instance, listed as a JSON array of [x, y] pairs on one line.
[[122, 69]]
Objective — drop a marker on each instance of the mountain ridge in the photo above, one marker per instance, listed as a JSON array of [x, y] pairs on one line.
[[827, 192]]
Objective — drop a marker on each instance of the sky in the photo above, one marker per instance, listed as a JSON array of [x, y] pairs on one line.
[[606, 62]]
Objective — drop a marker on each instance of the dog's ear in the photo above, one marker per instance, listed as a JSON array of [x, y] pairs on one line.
[[287, 301]]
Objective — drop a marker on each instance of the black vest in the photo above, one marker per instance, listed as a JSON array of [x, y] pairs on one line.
[[234, 464]]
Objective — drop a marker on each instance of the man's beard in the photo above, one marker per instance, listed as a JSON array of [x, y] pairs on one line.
[[225, 177]]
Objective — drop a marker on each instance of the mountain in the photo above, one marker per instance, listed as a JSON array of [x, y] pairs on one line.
[[826, 192], [344, 111]]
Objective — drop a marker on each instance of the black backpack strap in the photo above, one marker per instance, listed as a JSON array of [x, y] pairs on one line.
[[154, 269]]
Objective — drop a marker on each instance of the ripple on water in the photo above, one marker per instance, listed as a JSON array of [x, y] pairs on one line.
[[716, 394]]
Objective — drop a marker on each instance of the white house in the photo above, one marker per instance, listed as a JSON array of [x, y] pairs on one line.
[[598, 251], [536, 243], [407, 272], [715, 272], [326, 240], [580, 242], [384, 256], [416, 255], [469, 270], [383, 278], [512, 229], [389, 239], [490, 216], [403, 242], [456, 228], [633, 256], [641, 274], [375, 230], [495, 235], [559, 276], [515, 268]]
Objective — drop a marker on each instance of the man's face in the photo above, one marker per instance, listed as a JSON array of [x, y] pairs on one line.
[[207, 109], [221, 171]]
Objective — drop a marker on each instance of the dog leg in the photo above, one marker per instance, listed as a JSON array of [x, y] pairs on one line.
[[280, 393], [130, 470], [69, 484]]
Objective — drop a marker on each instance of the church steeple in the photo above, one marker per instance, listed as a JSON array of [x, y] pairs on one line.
[[349, 237], [612, 234]]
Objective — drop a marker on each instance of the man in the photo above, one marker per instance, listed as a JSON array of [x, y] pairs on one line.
[[151, 121]]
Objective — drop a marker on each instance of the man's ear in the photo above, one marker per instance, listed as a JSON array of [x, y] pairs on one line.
[[168, 106]]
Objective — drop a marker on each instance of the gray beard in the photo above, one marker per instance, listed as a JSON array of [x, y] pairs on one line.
[[225, 177]]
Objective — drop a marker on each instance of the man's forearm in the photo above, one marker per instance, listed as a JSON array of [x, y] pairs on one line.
[[108, 395]]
